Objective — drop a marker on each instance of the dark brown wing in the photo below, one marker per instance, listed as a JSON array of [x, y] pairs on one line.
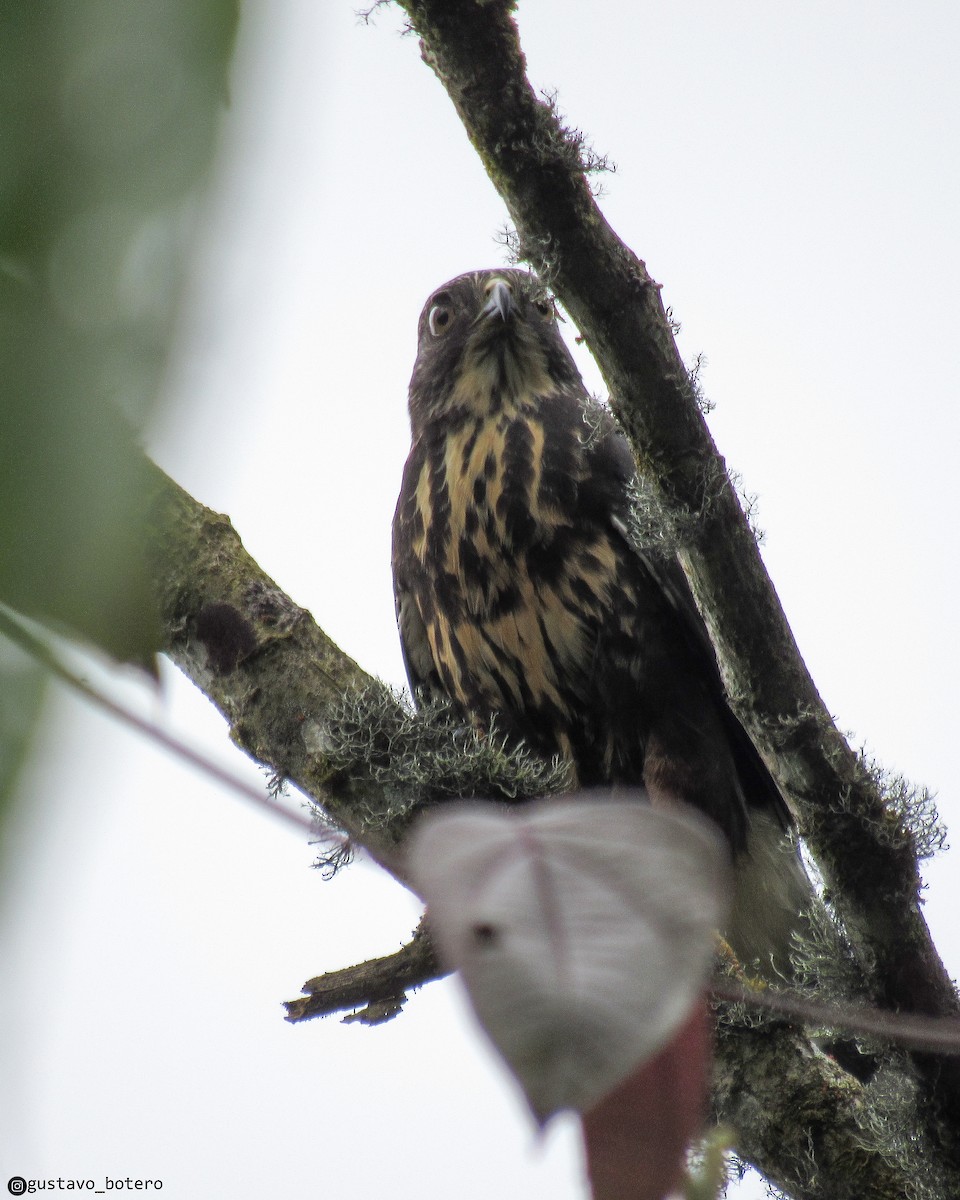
[[612, 459], [414, 644]]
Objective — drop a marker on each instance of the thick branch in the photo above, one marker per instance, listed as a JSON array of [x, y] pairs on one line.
[[811, 1128], [260, 658], [537, 167]]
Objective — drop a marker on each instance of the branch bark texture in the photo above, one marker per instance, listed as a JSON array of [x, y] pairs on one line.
[[260, 658]]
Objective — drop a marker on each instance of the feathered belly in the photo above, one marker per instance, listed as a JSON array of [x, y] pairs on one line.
[[516, 593], [511, 640]]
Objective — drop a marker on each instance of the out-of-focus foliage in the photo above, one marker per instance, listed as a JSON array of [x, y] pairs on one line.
[[108, 118], [21, 691], [583, 929]]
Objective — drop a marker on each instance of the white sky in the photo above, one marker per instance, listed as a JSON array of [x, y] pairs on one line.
[[792, 177]]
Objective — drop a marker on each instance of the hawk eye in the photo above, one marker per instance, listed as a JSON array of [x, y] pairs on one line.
[[543, 306], [439, 319]]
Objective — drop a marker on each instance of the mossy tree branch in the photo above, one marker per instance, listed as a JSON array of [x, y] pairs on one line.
[[812, 1129], [259, 657]]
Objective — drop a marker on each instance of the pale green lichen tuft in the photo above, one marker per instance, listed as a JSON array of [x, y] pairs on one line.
[[911, 810], [399, 760]]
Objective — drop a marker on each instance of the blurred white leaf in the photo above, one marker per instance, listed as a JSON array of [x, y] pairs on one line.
[[582, 928]]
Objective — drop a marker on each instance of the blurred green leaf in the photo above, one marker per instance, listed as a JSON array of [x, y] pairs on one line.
[[21, 697], [108, 119], [109, 115]]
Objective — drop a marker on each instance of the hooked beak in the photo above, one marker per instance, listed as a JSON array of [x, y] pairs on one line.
[[500, 300]]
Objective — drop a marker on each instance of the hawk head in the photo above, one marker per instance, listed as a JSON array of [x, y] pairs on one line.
[[486, 338]]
